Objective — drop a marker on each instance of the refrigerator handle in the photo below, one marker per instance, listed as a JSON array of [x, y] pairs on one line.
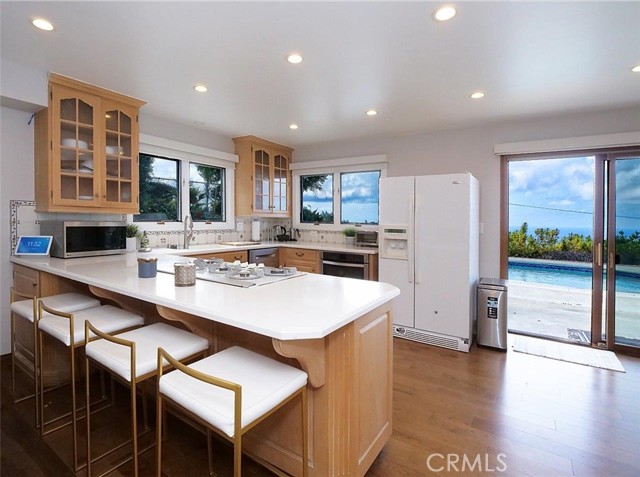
[[410, 246], [416, 249]]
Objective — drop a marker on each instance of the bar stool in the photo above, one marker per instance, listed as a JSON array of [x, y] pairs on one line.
[[134, 365], [28, 309], [68, 328], [259, 386]]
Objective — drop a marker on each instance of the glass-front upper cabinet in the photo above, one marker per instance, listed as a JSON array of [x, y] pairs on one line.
[[280, 201], [86, 150], [263, 179], [121, 155], [74, 142]]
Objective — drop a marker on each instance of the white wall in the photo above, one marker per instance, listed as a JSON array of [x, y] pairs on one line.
[[471, 150], [16, 182]]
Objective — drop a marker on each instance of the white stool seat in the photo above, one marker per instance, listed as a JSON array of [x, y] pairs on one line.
[[265, 384], [181, 344], [65, 302], [107, 318]]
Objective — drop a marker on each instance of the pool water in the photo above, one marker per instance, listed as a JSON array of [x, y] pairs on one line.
[[575, 277]]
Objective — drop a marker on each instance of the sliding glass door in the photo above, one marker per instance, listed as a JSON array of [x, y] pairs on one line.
[[573, 248], [622, 315], [550, 241]]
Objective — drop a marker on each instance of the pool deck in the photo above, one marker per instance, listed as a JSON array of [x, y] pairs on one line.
[[552, 310]]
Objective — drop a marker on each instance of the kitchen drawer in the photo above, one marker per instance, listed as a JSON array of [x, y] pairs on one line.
[[303, 259], [241, 255]]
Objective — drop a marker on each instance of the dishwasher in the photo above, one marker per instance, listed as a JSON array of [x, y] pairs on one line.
[[348, 265], [268, 256]]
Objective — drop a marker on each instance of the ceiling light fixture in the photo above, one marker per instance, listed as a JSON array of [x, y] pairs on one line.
[[293, 126], [636, 69], [477, 95], [371, 112], [294, 58], [42, 24], [445, 13], [200, 88]]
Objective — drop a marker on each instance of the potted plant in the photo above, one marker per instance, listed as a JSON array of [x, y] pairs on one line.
[[350, 234], [133, 234]]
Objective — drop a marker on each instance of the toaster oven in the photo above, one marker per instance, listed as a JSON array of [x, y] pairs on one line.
[[366, 238]]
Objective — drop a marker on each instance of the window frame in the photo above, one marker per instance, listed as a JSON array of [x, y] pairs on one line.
[[335, 167], [187, 154]]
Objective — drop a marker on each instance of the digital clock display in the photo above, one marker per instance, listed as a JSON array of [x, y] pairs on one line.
[[33, 245]]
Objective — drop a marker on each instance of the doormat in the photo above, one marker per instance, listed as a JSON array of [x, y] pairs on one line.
[[581, 336], [571, 353]]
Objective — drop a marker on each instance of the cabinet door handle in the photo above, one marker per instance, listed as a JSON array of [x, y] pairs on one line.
[[299, 254]]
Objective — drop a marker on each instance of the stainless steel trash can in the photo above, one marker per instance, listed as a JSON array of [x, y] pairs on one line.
[[492, 313]]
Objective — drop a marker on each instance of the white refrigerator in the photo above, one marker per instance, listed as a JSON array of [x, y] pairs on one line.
[[429, 247]]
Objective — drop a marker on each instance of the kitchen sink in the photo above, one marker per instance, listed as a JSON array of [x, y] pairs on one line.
[[240, 243]]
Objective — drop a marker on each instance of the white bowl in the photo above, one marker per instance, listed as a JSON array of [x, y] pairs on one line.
[[114, 150], [73, 143]]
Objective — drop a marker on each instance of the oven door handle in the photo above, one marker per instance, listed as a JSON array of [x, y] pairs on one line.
[[342, 264]]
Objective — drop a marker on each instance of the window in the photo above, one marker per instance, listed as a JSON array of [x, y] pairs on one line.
[[159, 194], [359, 193], [206, 193], [330, 194], [317, 199], [178, 179]]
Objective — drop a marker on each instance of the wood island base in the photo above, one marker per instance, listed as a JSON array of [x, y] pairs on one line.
[[350, 387]]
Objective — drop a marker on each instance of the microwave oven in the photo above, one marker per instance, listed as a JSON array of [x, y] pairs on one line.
[[366, 238], [85, 239]]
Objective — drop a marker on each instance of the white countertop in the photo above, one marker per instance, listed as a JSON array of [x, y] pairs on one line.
[[307, 307], [329, 247]]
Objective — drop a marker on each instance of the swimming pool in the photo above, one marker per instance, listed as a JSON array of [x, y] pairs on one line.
[[567, 276]]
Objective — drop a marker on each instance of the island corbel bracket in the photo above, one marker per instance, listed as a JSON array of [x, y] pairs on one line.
[[127, 303], [309, 353], [193, 323]]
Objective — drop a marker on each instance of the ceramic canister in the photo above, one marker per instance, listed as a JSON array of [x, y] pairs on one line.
[[147, 267], [184, 274]]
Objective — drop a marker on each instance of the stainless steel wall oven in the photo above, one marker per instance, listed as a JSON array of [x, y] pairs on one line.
[[344, 264]]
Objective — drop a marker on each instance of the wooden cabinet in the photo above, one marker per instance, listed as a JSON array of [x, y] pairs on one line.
[[304, 260], [41, 284], [230, 257], [86, 150], [263, 179]]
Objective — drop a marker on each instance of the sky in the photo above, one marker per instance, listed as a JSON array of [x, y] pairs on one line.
[[558, 193]]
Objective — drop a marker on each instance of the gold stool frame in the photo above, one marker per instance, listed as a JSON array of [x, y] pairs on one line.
[[236, 440], [132, 384]]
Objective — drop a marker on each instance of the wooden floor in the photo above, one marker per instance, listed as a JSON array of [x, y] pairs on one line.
[[486, 412]]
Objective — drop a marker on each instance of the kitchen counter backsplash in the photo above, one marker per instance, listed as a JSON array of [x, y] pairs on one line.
[[163, 239]]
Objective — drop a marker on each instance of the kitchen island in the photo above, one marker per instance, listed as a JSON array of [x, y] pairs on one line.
[[338, 330]]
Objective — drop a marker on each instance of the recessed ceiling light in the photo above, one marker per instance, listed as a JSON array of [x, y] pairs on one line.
[[445, 13], [294, 58], [636, 69], [42, 24], [371, 112], [200, 88], [477, 95], [293, 126]]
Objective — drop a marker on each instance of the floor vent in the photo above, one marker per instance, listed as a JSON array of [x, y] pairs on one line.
[[434, 339]]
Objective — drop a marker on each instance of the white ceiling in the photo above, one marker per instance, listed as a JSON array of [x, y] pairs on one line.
[[532, 59]]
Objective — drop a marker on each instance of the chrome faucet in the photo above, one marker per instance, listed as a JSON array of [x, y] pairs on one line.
[[188, 222]]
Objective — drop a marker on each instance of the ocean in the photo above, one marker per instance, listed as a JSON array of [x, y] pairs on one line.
[[564, 231]]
